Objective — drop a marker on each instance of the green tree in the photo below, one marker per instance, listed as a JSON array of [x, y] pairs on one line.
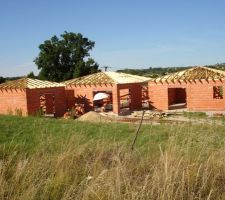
[[31, 75], [2, 79], [66, 57]]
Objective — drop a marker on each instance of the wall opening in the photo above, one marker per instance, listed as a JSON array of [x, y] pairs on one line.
[[105, 104], [177, 98], [125, 101], [47, 104], [217, 92], [145, 97]]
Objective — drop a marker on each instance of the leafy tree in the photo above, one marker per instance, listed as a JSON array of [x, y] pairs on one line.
[[2, 79], [31, 75], [65, 57]]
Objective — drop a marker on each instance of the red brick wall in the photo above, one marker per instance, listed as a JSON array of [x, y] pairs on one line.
[[33, 100], [158, 96], [70, 98], [136, 94], [199, 95], [10, 100], [84, 94], [116, 99]]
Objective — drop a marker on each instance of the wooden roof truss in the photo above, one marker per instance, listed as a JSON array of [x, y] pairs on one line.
[[193, 74], [28, 83], [93, 79]]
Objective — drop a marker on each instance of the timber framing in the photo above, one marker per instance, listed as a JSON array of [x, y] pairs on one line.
[[106, 78], [193, 74], [28, 83], [93, 79]]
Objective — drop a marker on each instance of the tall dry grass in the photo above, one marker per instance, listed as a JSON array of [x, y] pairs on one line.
[[188, 164]]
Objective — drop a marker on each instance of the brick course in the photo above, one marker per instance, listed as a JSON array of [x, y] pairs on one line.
[[28, 100], [199, 95], [33, 99], [84, 93], [11, 100]]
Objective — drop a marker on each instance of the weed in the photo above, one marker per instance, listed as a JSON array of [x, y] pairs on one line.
[[65, 159]]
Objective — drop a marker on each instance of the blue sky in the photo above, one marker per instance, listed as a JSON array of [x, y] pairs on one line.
[[127, 33]]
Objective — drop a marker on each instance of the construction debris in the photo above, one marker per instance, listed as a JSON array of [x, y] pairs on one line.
[[94, 117], [149, 114]]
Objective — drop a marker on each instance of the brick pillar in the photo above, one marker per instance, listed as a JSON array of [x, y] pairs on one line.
[[116, 99], [158, 96], [136, 96], [188, 93]]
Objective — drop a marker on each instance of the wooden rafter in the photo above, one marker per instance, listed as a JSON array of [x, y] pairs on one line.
[[106, 78], [196, 73], [28, 83], [93, 79]]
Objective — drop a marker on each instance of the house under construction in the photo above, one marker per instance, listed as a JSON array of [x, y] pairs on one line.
[[28, 96], [196, 89], [125, 91]]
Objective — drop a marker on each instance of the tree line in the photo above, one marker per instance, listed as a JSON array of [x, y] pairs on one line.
[[149, 72], [154, 72]]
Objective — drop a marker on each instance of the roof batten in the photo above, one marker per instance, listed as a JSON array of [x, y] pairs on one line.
[[106, 78], [28, 83], [196, 73]]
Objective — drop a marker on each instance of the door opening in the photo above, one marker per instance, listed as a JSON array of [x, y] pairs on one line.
[[47, 104], [177, 98]]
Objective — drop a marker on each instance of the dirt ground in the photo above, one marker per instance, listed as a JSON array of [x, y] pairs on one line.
[[150, 117], [94, 117]]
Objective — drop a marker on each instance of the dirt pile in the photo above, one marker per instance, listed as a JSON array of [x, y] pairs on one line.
[[94, 117]]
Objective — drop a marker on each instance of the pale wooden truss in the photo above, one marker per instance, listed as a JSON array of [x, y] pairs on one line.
[[93, 79], [28, 83], [193, 74], [101, 78]]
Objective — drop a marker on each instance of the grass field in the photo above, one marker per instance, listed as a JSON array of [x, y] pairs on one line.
[[57, 159]]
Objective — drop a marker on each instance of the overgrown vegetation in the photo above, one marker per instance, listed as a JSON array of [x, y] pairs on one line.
[[195, 114], [58, 159]]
